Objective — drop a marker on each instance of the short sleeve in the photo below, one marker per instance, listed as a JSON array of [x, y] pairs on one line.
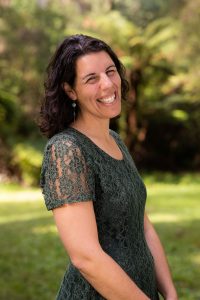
[[66, 176]]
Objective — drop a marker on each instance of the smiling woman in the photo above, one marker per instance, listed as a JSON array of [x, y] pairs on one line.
[[97, 88], [72, 56], [90, 182]]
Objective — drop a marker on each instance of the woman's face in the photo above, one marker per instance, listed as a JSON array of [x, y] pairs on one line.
[[97, 87]]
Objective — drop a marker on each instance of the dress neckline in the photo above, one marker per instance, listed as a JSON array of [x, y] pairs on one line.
[[100, 149]]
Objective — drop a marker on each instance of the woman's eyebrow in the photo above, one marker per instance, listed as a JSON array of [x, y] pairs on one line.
[[111, 66]]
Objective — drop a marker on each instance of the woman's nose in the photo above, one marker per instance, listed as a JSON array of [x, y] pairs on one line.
[[105, 82]]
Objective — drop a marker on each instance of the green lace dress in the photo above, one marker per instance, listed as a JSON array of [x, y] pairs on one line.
[[74, 169]]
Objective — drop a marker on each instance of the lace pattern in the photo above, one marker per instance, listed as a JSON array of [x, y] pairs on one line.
[[66, 177]]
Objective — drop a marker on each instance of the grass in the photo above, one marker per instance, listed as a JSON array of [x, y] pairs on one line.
[[32, 259], [174, 207]]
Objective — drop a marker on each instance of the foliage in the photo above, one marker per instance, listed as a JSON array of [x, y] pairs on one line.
[[36, 31], [33, 260], [28, 159], [157, 41]]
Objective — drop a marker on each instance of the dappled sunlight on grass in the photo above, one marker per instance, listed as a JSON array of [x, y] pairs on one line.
[[172, 202], [156, 218], [169, 188], [15, 187], [166, 178], [173, 205], [196, 259], [33, 260], [21, 196], [22, 217], [44, 229]]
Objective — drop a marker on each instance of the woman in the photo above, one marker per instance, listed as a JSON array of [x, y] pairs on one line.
[[91, 184]]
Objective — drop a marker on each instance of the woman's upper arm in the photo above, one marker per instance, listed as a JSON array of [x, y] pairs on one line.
[[147, 224], [68, 185], [76, 224]]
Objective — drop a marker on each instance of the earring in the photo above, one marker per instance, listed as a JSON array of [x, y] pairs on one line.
[[74, 109]]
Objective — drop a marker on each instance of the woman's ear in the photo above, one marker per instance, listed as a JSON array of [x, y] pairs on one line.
[[69, 91]]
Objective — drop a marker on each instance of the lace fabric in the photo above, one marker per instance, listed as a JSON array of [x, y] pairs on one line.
[[74, 169], [65, 177]]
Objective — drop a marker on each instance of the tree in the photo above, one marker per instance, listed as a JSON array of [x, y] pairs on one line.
[[28, 36], [150, 39]]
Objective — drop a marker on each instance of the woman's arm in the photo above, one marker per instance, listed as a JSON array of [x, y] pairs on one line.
[[77, 228], [164, 279]]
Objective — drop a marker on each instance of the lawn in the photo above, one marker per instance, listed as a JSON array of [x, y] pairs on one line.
[[32, 259]]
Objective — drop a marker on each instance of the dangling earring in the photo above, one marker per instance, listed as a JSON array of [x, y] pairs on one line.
[[74, 109]]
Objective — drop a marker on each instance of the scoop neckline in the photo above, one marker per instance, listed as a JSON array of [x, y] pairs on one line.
[[100, 149]]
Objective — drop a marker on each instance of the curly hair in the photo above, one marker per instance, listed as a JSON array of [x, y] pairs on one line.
[[56, 112]]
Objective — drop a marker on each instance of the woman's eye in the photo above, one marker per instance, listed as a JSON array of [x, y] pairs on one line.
[[111, 72], [91, 79]]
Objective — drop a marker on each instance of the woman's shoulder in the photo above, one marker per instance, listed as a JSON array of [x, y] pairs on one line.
[[120, 141], [116, 136], [63, 138]]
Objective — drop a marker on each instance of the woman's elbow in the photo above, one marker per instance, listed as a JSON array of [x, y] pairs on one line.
[[87, 260]]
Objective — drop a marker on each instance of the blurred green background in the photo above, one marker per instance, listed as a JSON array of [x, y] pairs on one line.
[[158, 42]]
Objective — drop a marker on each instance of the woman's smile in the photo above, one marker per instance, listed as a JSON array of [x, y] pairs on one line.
[[108, 99]]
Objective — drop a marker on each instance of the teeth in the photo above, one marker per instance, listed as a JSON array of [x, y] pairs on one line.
[[108, 100]]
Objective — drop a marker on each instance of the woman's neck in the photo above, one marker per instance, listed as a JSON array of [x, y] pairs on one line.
[[96, 128]]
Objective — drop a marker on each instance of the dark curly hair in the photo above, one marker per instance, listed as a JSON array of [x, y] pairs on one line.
[[56, 112]]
